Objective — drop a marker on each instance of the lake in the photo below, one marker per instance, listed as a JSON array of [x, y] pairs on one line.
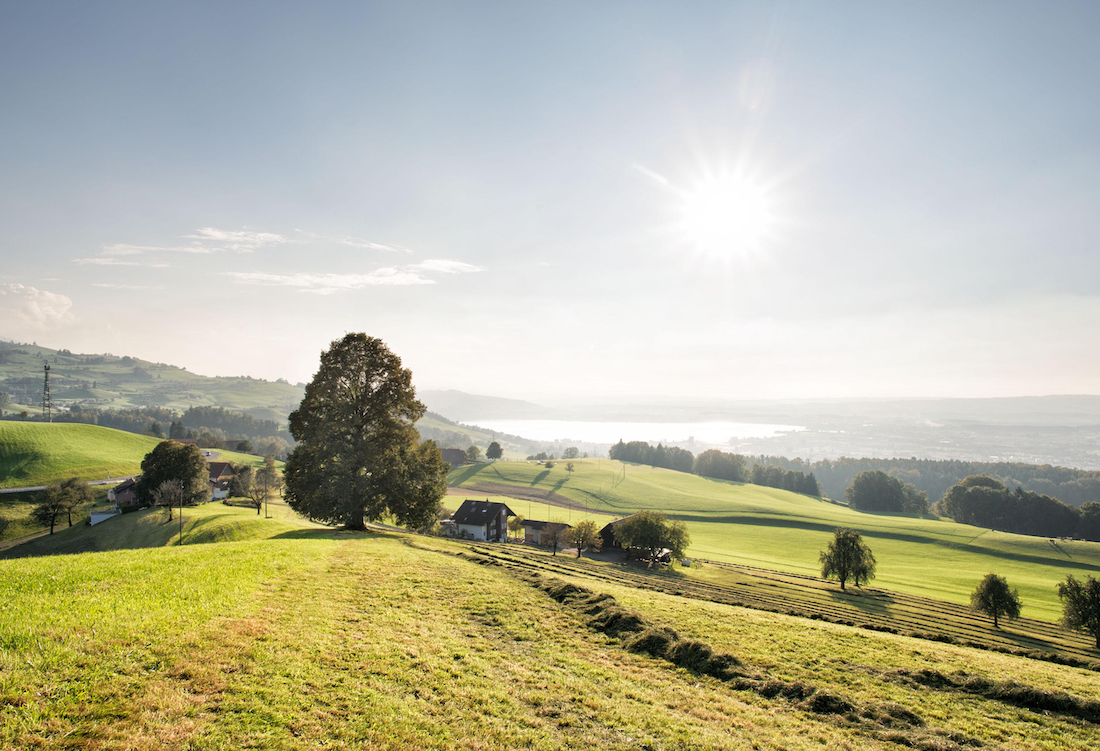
[[705, 433]]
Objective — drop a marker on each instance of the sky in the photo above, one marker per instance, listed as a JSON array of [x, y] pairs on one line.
[[560, 200]]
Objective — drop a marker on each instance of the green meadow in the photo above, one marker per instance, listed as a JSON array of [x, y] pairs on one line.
[[278, 634], [775, 529]]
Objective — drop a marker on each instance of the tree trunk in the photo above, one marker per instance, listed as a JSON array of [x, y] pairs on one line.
[[355, 519], [995, 621]]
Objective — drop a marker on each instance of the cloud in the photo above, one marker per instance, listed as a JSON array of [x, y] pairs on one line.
[[444, 266], [108, 285], [354, 242], [241, 240], [654, 176], [101, 261], [122, 249], [326, 284], [34, 306]]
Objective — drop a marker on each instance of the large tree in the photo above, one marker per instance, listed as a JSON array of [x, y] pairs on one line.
[[995, 599], [847, 557], [357, 457], [171, 460], [874, 490], [1081, 605]]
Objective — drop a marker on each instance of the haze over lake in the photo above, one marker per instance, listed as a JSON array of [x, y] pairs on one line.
[[706, 433]]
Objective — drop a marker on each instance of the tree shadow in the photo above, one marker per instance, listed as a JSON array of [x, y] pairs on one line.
[[868, 602]]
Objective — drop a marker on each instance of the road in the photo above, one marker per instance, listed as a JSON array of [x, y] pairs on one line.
[[112, 481]]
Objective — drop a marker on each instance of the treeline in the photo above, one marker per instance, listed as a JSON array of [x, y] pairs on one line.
[[935, 477], [640, 452], [718, 465], [235, 424], [986, 502]]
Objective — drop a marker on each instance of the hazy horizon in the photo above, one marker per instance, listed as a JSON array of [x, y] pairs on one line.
[[621, 201]]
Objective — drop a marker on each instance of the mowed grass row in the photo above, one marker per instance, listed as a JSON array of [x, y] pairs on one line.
[[814, 598], [770, 528]]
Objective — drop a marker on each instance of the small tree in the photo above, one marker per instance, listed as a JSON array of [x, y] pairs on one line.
[[1081, 605], [995, 599], [549, 465], [555, 535], [240, 486], [169, 494], [245, 446], [651, 533], [586, 535], [847, 557], [50, 508], [265, 484], [571, 453], [569, 467], [494, 451], [515, 525], [76, 494], [473, 454]]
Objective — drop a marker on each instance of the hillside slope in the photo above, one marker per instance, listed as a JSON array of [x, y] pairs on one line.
[[109, 381], [35, 453], [336, 640], [785, 531]]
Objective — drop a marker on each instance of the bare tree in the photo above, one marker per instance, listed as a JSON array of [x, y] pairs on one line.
[[168, 494]]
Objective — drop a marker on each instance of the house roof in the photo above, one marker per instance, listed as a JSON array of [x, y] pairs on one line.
[[220, 470], [615, 523], [125, 484], [543, 525], [479, 512]]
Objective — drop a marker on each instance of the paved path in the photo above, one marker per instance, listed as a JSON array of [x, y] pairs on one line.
[[112, 481]]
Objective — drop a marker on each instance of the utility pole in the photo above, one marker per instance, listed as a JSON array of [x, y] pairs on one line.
[[47, 402]]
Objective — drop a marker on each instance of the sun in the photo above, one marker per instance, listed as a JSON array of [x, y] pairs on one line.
[[726, 216]]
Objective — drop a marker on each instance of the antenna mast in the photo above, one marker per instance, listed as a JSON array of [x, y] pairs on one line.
[[47, 402]]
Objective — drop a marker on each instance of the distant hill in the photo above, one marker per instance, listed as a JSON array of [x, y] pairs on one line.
[[463, 407], [108, 381]]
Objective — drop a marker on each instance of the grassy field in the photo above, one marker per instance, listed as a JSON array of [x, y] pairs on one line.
[[43, 453], [302, 638], [774, 529]]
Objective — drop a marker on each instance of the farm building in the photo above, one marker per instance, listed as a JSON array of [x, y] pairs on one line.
[[123, 494], [533, 531], [220, 475], [482, 520], [455, 457], [607, 534]]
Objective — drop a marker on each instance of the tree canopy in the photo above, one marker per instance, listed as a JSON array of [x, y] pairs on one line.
[[847, 557], [171, 460], [494, 451], [358, 458], [874, 490], [651, 533], [986, 502], [994, 598], [586, 535], [1081, 605]]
